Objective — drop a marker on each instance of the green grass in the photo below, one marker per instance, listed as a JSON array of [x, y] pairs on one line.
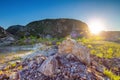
[[100, 48]]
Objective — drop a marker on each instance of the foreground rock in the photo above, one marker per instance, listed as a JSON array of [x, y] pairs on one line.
[[58, 67], [70, 46], [48, 67]]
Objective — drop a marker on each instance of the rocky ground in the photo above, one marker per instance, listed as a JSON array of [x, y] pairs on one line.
[[112, 64], [72, 61]]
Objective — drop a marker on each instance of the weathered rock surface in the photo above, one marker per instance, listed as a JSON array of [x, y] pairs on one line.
[[59, 67], [48, 66], [70, 46]]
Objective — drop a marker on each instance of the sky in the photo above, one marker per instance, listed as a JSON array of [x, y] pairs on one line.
[[21, 12]]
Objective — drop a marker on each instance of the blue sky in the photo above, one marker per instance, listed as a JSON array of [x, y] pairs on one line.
[[13, 12]]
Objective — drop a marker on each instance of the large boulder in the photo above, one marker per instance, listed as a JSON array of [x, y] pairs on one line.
[[48, 66], [70, 46]]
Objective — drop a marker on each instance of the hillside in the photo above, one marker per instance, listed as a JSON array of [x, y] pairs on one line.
[[3, 33], [14, 29], [5, 37], [52, 28], [111, 35]]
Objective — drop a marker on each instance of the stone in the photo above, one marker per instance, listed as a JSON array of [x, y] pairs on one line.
[[70, 46], [14, 76], [48, 36], [3, 77], [60, 67], [48, 66]]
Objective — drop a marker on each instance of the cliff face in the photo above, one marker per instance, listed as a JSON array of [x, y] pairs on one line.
[[54, 28]]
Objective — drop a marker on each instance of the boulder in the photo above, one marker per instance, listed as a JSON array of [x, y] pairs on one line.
[[70, 46], [14, 76], [48, 66]]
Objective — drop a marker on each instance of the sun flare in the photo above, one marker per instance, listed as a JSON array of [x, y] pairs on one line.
[[96, 26]]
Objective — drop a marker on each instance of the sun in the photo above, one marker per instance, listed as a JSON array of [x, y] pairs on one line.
[[96, 26]]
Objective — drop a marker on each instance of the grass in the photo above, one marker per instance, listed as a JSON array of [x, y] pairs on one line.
[[100, 48], [8, 57], [111, 75], [33, 40]]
